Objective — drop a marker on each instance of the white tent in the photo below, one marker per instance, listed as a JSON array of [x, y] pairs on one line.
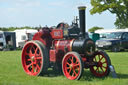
[[104, 32], [111, 30], [22, 36]]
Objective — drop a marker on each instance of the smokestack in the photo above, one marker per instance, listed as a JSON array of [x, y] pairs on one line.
[[82, 20]]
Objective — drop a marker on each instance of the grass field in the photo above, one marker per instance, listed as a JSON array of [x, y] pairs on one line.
[[11, 72]]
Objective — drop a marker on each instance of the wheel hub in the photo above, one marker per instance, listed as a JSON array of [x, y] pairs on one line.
[[72, 66], [100, 64], [32, 58]]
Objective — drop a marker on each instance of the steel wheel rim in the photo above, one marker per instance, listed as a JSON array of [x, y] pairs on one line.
[[102, 65], [32, 59], [71, 67]]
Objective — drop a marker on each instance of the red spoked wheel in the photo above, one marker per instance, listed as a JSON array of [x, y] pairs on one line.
[[102, 67], [34, 58], [72, 66]]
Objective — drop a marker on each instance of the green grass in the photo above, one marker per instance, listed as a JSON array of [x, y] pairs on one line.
[[12, 73]]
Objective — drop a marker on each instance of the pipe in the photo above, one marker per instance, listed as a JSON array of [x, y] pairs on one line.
[[82, 20]]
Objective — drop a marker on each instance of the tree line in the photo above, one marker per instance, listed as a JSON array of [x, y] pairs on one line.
[[15, 28]]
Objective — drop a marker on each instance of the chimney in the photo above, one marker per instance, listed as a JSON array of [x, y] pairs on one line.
[[82, 20]]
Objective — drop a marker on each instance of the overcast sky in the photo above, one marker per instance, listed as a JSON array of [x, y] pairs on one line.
[[49, 12]]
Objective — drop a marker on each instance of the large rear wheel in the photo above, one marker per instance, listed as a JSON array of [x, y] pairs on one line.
[[103, 63], [72, 66], [35, 58]]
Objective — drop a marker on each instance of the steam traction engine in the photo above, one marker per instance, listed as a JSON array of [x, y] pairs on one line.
[[65, 47]]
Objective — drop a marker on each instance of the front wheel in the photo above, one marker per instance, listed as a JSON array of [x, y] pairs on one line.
[[72, 66], [103, 63], [35, 58]]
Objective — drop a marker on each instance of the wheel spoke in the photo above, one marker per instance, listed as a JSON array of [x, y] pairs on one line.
[[30, 52], [104, 62], [76, 65], [33, 48], [37, 66], [75, 72], [68, 63], [38, 58], [78, 69], [101, 59], [36, 69], [97, 69], [38, 61], [32, 68], [41, 62], [34, 62], [29, 59], [70, 71], [70, 59], [36, 50], [102, 69], [68, 68], [29, 65], [38, 55]]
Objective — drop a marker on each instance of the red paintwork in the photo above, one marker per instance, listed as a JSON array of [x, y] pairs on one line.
[[31, 60], [62, 44], [71, 68], [38, 36], [53, 56], [61, 48], [44, 36], [84, 59], [50, 37], [57, 34]]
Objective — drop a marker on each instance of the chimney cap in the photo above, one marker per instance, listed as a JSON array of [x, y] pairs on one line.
[[82, 7]]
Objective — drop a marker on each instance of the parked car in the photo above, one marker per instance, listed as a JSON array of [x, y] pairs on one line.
[[115, 41]]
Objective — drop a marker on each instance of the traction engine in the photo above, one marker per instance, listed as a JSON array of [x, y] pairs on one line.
[[65, 48]]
